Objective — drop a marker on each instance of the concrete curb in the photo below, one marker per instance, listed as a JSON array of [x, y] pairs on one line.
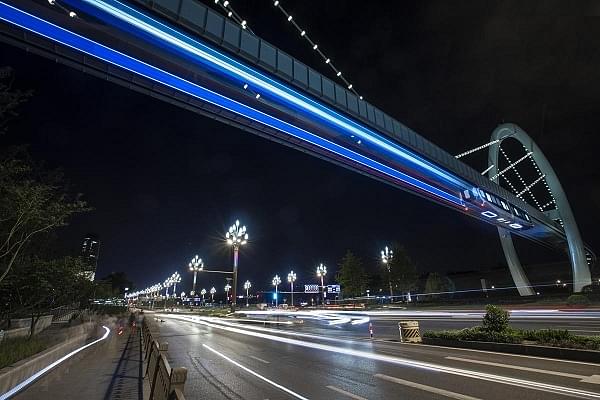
[[14, 374], [525, 349]]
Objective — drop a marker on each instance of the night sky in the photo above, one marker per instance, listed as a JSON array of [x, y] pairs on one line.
[[167, 183]]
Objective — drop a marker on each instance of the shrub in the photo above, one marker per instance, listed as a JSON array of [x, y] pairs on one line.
[[578, 299], [495, 319], [13, 350], [547, 335]]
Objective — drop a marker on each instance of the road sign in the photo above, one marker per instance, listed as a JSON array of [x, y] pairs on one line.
[[333, 288], [311, 288]]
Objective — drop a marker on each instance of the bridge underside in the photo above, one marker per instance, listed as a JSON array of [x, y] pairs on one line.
[[133, 49]]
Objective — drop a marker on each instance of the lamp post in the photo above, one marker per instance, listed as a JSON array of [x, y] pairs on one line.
[[386, 258], [203, 292], [247, 286], [227, 287], [291, 279], [167, 284], [175, 278], [195, 265], [321, 272], [236, 236], [276, 282], [212, 294]]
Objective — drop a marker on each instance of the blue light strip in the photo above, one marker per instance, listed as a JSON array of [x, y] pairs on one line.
[[53, 32], [245, 74]]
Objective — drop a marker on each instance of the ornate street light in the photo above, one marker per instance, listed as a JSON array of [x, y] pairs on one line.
[[291, 279], [212, 294], [227, 287], [175, 278], [195, 265], [236, 236], [203, 292], [276, 282], [321, 272], [247, 286], [386, 257]]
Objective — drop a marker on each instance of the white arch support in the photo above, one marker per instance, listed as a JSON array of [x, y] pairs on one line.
[[576, 249]]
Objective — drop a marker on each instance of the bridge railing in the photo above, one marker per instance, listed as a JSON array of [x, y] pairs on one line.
[[163, 381]]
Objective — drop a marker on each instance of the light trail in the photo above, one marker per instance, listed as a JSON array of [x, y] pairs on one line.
[[527, 384], [256, 374]]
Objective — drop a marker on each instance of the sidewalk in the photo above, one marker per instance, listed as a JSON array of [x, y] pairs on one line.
[[112, 369]]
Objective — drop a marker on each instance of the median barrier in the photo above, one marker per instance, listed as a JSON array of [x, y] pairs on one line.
[[161, 381]]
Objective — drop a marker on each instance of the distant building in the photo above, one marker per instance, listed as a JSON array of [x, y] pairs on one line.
[[89, 252]]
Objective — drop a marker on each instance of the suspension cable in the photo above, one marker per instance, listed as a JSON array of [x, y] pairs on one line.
[[487, 169], [520, 178], [228, 8], [70, 13], [510, 166], [316, 48], [477, 148], [528, 187], [545, 182]]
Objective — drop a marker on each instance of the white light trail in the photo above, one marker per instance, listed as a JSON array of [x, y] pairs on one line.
[[256, 374], [528, 384]]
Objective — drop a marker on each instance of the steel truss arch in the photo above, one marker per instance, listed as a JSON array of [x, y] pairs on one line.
[[576, 249]]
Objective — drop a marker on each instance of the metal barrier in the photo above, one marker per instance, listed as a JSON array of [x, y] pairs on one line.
[[409, 331], [165, 383]]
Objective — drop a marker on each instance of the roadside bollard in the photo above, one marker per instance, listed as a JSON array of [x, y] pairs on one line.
[[409, 331], [371, 330]]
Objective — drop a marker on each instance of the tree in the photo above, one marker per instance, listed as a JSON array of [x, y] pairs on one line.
[[38, 285], [437, 283], [351, 275], [10, 98], [402, 271], [32, 202]]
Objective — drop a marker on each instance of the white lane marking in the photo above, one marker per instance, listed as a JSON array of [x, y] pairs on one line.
[[504, 354], [260, 359], [426, 388], [256, 374], [517, 367], [489, 377], [41, 372], [583, 378], [348, 394]]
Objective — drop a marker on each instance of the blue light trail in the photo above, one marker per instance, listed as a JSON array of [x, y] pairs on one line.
[[61, 35]]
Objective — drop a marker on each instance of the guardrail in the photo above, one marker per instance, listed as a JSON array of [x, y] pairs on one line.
[[165, 383]]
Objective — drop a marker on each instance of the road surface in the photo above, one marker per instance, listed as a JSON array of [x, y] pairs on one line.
[[233, 360]]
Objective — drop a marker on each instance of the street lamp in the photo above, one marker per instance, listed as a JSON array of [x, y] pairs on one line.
[[175, 278], [321, 272], [227, 287], [212, 294], [236, 236], [247, 286], [203, 292], [276, 282], [167, 284], [386, 258], [195, 265], [291, 280]]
